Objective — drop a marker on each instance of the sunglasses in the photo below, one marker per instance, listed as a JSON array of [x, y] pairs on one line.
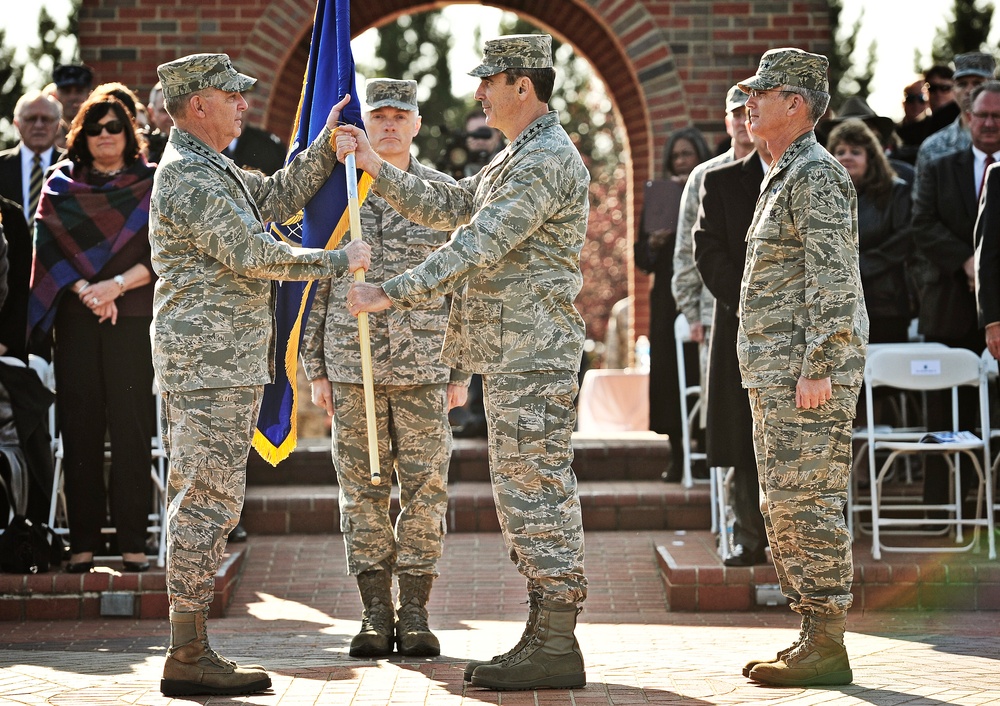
[[914, 98], [940, 87], [114, 127]]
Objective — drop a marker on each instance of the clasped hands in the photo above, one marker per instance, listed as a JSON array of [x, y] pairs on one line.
[[100, 297]]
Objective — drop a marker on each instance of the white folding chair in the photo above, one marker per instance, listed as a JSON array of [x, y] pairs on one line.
[[158, 471], [689, 412], [929, 369], [909, 430]]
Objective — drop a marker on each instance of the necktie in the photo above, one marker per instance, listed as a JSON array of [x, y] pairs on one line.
[[986, 168], [34, 187]]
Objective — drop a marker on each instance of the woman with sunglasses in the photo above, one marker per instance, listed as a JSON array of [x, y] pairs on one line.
[[91, 285]]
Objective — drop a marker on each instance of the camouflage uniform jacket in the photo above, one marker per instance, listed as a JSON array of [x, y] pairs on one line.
[[693, 298], [952, 138], [406, 345], [515, 261], [802, 308], [213, 306]]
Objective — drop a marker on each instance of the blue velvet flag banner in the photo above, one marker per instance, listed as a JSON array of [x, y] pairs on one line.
[[324, 221]]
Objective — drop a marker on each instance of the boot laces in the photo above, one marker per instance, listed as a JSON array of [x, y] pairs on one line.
[[810, 630], [413, 617]]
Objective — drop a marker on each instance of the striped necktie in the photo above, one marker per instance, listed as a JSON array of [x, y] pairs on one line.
[[35, 187]]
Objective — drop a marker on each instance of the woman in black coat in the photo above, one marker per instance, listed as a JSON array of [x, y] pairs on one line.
[[654, 254], [883, 229]]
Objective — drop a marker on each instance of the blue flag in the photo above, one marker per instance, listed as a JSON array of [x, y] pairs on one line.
[[329, 76]]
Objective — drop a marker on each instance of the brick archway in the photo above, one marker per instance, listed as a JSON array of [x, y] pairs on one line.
[[666, 63], [623, 43]]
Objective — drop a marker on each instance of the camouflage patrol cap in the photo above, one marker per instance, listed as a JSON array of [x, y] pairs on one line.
[[394, 93], [515, 51], [197, 71], [735, 99], [974, 63], [789, 67]]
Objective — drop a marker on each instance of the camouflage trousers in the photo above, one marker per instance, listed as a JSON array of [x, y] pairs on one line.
[[207, 436], [414, 439], [804, 465], [530, 417]]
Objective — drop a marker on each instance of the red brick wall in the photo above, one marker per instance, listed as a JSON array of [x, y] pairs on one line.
[[667, 63]]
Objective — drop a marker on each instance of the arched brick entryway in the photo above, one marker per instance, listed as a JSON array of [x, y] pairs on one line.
[[625, 46], [666, 63]]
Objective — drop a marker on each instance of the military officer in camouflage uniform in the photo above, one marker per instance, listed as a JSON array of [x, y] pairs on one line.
[[514, 264], [801, 346], [413, 392], [213, 335]]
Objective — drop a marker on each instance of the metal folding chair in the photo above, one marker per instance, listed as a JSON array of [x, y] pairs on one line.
[[689, 412], [909, 429], [925, 369]]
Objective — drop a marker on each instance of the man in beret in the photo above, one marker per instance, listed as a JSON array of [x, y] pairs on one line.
[[413, 392], [73, 83], [213, 329], [801, 345], [514, 265]]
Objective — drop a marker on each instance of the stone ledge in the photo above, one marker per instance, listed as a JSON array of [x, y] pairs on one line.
[[606, 506], [56, 595], [696, 580]]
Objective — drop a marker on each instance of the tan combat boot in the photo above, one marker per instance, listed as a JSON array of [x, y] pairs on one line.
[[819, 660], [377, 621], [803, 629], [551, 659], [193, 668], [413, 636], [534, 598]]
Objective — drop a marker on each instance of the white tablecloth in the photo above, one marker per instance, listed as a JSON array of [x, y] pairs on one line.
[[614, 400]]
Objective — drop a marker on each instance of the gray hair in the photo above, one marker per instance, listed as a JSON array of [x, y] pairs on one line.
[[816, 101], [32, 96]]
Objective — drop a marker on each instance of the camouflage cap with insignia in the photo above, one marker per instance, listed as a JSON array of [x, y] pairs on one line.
[[974, 63], [197, 71], [735, 99], [515, 51], [391, 92], [789, 67]]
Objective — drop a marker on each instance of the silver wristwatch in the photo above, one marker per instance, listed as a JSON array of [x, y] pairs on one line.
[[120, 281]]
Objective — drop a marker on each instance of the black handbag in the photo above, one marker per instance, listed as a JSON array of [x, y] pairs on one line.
[[27, 548]]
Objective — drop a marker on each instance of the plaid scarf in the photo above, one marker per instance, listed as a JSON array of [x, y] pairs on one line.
[[79, 228]]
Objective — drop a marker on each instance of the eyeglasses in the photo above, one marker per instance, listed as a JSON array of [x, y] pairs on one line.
[[43, 119], [940, 87], [914, 98], [757, 93], [114, 127], [987, 116]]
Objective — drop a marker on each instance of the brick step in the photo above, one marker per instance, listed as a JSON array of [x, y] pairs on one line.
[[107, 592], [606, 505], [618, 456], [696, 580]]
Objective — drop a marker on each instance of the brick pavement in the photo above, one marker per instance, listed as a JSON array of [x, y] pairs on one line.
[[296, 610]]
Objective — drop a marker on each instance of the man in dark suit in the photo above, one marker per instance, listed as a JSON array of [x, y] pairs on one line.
[[988, 261], [944, 220], [257, 149], [36, 117], [14, 312], [728, 199]]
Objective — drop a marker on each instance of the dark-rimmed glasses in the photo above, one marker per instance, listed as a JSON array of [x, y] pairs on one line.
[[114, 127]]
